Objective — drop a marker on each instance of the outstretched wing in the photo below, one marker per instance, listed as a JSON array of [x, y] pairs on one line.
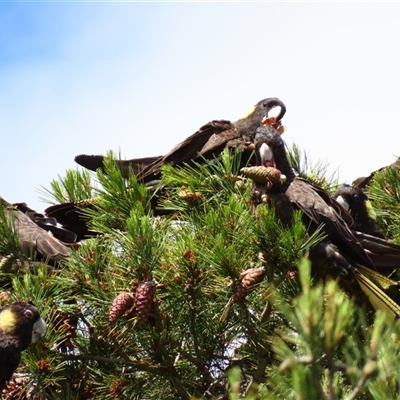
[[190, 148], [34, 239]]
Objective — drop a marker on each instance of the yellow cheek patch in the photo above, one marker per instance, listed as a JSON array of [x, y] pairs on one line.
[[370, 210], [248, 113], [7, 321]]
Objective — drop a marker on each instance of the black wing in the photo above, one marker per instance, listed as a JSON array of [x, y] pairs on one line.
[[34, 239], [304, 197], [190, 148], [127, 167]]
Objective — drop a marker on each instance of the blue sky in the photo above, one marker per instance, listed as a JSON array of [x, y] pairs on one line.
[[138, 78]]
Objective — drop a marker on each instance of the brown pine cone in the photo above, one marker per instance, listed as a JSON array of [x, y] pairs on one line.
[[250, 277], [122, 303], [261, 174], [144, 299]]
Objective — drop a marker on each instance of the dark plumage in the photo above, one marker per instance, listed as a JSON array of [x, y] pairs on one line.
[[384, 255], [316, 204], [72, 218], [47, 223], [341, 246], [356, 202], [20, 324], [69, 215], [208, 141], [34, 240], [127, 167]]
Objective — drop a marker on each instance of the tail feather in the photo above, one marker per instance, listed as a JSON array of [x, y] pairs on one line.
[[127, 167]]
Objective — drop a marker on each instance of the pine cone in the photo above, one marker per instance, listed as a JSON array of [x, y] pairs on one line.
[[190, 196], [261, 174], [250, 277], [66, 323], [144, 299], [4, 297], [122, 303]]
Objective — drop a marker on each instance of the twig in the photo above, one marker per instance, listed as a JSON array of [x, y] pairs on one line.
[[356, 391], [90, 357], [198, 361]]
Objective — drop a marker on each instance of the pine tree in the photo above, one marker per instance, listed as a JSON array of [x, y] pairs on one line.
[[202, 298]]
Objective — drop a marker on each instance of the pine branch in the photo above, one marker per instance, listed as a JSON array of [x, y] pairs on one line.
[[74, 186], [289, 333]]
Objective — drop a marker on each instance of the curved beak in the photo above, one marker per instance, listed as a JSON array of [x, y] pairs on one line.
[[343, 203], [39, 330]]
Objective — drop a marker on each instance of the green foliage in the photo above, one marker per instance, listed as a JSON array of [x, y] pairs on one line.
[[116, 198], [384, 193], [207, 333], [75, 186], [326, 351], [9, 243]]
